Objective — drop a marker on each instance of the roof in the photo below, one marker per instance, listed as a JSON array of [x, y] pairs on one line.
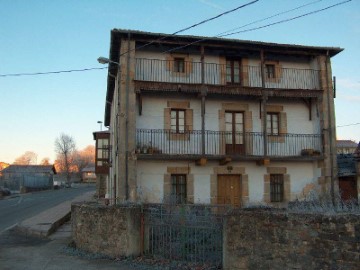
[[161, 38], [346, 143], [89, 169], [96, 133], [29, 169]]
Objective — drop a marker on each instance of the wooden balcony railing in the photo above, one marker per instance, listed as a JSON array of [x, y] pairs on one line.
[[218, 143], [154, 70]]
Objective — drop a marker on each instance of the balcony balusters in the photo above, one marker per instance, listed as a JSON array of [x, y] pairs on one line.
[[154, 70], [166, 142]]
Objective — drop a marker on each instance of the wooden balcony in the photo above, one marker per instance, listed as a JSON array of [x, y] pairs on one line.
[[165, 144], [159, 75]]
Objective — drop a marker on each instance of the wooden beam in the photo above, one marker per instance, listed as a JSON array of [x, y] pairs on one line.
[[201, 162], [263, 162], [225, 160]]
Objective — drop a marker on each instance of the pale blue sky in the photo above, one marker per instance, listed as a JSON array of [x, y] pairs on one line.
[[40, 36]]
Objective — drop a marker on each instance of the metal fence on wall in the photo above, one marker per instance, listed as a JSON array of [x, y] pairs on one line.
[[192, 233]]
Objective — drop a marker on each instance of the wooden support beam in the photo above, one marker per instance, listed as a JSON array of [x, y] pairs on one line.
[[139, 97], [201, 162], [263, 162], [225, 161]]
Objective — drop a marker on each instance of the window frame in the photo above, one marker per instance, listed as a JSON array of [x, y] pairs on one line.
[[104, 149], [177, 118], [179, 64], [232, 71], [270, 71], [272, 115], [277, 188], [179, 188]]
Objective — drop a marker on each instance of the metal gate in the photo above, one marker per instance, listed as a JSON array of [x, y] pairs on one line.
[[191, 233]]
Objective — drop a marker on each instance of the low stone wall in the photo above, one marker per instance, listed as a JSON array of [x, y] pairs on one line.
[[261, 239], [112, 231]]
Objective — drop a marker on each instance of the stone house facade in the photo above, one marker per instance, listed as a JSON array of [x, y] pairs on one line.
[[218, 121]]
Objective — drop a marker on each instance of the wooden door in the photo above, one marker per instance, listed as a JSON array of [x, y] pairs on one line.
[[348, 189], [229, 189], [234, 133]]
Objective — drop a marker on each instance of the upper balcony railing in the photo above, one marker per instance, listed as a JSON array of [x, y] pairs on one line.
[[154, 70], [220, 143]]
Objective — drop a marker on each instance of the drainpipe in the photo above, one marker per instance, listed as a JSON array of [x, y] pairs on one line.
[[127, 120], [330, 131], [117, 127], [203, 94], [264, 102]]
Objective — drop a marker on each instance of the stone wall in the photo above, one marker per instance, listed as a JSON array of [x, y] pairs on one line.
[[262, 239], [112, 231]]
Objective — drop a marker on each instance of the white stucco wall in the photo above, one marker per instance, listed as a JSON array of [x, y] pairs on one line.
[[297, 114], [150, 178]]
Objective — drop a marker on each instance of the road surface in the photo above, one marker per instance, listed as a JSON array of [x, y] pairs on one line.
[[18, 208]]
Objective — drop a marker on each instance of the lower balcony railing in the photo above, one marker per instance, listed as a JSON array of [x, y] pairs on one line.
[[219, 143]]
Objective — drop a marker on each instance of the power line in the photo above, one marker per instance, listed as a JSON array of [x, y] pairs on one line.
[[272, 16], [151, 42], [260, 27], [50, 72], [287, 20], [192, 26], [354, 124]]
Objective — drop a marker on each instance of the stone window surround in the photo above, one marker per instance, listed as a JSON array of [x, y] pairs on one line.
[[279, 109], [277, 70], [229, 170], [248, 125], [189, 182], [170, 61], [287, 190], [183, 105]]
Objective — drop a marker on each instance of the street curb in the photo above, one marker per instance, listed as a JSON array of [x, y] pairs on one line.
[[48, 221]]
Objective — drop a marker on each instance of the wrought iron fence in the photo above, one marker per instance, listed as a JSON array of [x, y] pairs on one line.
[[166, 142], [155, 70], [191, 233]]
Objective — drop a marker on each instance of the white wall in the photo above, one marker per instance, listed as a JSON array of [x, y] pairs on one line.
[[150, 178], [297, 114]]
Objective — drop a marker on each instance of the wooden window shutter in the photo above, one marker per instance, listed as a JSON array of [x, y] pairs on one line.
[[167, 118], [248, 121], [188, 65], [283, 123], [169, 63], [189, 119]]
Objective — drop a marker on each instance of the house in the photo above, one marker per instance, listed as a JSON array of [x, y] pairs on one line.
[[26, 178], [345, 146], [102, 161], [218, 121], [88, 174]]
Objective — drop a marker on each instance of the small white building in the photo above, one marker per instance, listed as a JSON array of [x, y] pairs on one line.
[[218, 121]]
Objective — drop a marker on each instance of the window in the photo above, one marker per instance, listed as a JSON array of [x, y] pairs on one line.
[[272, 123], [179, 64], [276, 187], [178, 188], [270, 71], [177, 121], [232, 71], [102, 152]]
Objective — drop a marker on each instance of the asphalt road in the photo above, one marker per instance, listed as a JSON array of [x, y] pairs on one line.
[[20, 207]]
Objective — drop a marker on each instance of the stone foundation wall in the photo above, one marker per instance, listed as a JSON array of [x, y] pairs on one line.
[[112, 231], [261, 239]]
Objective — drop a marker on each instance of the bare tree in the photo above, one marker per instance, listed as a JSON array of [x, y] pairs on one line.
[[65, 146], [84, 157], [45, 161], [28, 158]]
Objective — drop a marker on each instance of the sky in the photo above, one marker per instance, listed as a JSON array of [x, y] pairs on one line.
[[43, 36]]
